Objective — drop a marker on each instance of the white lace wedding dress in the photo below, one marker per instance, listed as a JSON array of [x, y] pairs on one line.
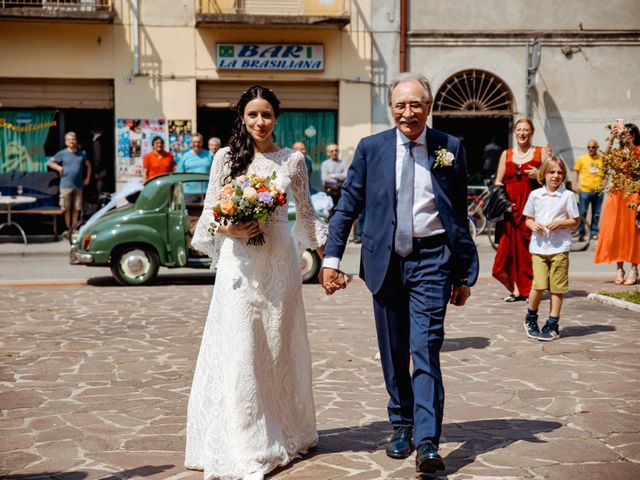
[[251, 405]]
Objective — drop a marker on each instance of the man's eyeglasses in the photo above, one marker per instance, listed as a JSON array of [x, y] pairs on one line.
[[415, 107]]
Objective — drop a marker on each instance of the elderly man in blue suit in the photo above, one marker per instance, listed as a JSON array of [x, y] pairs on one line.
[[417, 256]]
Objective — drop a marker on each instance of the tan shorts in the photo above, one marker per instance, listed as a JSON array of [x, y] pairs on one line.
[[551, 272], [71, 197]]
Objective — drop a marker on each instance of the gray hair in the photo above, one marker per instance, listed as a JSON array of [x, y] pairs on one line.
[[198, 135], [70, 134], [412, 77], [215, 140]]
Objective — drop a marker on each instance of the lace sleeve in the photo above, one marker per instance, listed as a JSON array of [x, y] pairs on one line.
[[203, 241], [308, 231]]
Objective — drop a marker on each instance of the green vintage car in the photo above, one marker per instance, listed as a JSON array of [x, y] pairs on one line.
[[152, 230]]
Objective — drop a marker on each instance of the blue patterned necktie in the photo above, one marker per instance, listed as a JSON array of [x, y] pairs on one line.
[[404, 211]]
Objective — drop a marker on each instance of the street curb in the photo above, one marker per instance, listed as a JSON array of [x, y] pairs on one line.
[[35, 254], [46, 283], [616, 302]]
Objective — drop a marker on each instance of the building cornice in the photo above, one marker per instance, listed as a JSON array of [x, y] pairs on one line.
[[419, 38]]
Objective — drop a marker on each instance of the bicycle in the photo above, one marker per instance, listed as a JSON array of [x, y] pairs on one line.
[[475, 206], [472, 227], [579, 243]]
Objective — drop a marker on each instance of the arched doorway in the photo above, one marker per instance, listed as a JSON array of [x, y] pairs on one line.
[[477, 106]]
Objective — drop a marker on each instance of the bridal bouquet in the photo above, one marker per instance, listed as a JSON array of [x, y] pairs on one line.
[[247, 198]]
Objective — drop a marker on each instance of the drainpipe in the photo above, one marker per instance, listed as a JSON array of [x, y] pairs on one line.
[[403, 36], [134, 33]]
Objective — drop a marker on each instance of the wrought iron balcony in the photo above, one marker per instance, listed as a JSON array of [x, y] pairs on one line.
[[93, 11], [277, 13]]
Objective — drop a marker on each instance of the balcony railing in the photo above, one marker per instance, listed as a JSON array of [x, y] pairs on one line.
[[298, 11], [60, 5], [83, 11]]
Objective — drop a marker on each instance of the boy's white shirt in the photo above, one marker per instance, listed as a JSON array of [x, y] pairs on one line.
[[543, 207]]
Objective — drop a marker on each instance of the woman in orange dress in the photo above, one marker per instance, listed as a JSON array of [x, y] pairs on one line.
[[517, 169], [619, 237]]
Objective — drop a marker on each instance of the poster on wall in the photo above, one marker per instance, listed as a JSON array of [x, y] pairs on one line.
[[179, 137], [22, 138], [134, 138]]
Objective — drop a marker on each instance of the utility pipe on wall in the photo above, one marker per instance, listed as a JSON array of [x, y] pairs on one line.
[[403, 36], [134, 33]]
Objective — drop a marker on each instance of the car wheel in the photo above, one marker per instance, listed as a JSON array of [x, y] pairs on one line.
[[135, 265], [309, 266]]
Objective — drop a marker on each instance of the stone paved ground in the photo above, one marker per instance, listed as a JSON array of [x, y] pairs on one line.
[[95, 381]]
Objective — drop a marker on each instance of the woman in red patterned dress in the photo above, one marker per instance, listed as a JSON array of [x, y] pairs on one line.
[[517, 171]]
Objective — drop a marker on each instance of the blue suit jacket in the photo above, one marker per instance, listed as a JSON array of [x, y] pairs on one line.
[[371, 182]]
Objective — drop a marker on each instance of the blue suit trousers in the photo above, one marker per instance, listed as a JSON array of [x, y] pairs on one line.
[[409, 312]]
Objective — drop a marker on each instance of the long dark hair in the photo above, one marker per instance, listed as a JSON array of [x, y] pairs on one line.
[[241, 144], [633, 131]]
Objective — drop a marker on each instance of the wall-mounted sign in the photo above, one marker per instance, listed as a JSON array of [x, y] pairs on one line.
[[250, 56]]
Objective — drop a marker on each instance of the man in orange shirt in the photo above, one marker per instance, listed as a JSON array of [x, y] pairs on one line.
[[157, 161]]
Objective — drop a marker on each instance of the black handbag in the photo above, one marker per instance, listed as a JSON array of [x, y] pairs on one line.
[[498, 204]]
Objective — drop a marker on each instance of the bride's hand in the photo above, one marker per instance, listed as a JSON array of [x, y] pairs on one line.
[[240, 230]]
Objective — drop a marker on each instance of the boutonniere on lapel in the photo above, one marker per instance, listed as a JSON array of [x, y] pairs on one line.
[[444, 158]]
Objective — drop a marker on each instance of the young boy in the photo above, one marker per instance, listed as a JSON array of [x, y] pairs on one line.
[[551, 211]]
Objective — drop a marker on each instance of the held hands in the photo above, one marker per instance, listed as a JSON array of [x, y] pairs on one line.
[[556, 224], [536, 227], [332, 280], [240, 230]]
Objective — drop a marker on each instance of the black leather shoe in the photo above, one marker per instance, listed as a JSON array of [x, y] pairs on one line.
[[428, 460], [400, 444]]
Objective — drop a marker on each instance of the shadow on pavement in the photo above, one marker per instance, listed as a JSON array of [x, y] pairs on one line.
[[48, 476], [476, 438], [582, 330], [163, 279], [576, 294], [144, 471], [454, 344]]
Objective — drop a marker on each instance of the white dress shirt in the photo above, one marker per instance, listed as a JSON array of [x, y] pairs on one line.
[[544, 207], [425, 214]]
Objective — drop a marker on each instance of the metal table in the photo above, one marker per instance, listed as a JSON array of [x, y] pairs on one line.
[[10, 201]]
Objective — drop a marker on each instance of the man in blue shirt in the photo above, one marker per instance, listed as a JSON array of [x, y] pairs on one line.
[[75, 172], [196, 160]]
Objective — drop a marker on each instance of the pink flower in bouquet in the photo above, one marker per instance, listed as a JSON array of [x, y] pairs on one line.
[[227, 191], [228, 207]]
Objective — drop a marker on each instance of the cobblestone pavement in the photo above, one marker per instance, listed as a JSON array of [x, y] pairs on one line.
[[95, 382]]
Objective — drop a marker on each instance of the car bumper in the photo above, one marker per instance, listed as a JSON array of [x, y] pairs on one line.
[[79, 258]]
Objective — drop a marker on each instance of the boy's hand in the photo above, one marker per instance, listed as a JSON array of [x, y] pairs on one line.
[[536, 227], [555, 224]]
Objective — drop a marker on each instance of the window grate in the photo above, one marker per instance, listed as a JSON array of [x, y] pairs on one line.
[[474, 92]]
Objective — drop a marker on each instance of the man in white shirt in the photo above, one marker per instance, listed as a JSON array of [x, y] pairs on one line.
[[334, 173], [551, 213]]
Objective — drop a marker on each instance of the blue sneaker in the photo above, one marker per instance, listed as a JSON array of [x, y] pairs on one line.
[[549, 332], [531, 325]]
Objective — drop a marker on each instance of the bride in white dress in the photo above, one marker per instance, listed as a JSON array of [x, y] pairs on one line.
[[251, 405]]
